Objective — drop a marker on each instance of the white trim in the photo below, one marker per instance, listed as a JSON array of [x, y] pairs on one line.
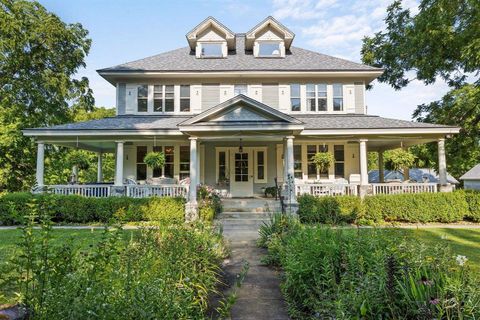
[[255, 165], [379, 131]]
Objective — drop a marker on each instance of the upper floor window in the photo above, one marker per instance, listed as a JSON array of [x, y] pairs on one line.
[[295, 97], [142, 98], [269, 49], [212, 50], [163, 98], [185, 98], [337, 97], [316, 97], [240, 89]]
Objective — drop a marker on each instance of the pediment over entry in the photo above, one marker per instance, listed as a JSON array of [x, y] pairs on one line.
[[241, 110]]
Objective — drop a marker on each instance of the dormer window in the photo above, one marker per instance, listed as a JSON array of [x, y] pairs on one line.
[[269, 49], [211, 50]]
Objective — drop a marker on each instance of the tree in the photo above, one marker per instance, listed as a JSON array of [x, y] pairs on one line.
[[398, 159], [440, 42], [39, 56]]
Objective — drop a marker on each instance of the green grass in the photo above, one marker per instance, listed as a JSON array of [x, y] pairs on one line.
[[82, 238]]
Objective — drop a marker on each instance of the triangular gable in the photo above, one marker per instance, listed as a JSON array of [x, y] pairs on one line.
[[218, 27], [272, 24], [241, 109]]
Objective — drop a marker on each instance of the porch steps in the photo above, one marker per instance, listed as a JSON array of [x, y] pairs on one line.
[[242, 218]]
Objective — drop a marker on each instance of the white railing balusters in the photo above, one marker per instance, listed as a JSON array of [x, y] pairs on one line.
[[400, 188], [318, 189], [96, 191]]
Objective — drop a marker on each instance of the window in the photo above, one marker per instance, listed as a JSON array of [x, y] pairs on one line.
[[222, 167], [184, 162], [316, 97], [163, 98], [339, 154], [269, 49], [168, 169], [261, 166], [313, 172], [157, 98], [297, 162], [295, 97], [142, 98], [185, 98], [241, 166], [337, 97], [141, 166], [240, 89], [212, 50], [169, 101]]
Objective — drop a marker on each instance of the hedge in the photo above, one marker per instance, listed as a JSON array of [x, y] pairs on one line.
[[410, 208], [14, 207]]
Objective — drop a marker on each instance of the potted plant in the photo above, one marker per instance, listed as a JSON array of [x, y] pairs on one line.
[[79, 159], [398, 159], [323, 161], [155, 160]]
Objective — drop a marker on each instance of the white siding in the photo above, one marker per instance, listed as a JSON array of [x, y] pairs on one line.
[[284, 100], [349, 98], [210, 95], [270, 95], [196, 98], [131, 99], [360, 97], [226, 92], [255, 92]]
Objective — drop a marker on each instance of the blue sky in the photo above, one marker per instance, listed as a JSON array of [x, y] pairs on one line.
[[128, 30]]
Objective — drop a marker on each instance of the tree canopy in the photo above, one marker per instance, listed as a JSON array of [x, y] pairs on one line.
[[39, 57], [439, 43]]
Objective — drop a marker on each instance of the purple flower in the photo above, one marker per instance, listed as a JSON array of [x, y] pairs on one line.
[[434, 301]]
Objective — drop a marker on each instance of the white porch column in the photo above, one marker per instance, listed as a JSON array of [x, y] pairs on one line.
[[442, 163], [363, 162], [285, 172], [381, 167], [198, 163], [40, 164], [191, 207], [119, 164], [290, 167], [99, 167]]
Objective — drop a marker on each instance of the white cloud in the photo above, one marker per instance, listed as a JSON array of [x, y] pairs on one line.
[[301, 9]]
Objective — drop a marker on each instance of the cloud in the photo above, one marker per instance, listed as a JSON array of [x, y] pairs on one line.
[[301, 9]]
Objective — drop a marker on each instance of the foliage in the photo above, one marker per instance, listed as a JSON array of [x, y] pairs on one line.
[[78, 209], [323, 161], [473, 200], [398, 159], [154, 160], [411, 208], [441, 41], [78, 158], [210, 204], [330, 210], [39, 57], [373, 274], [372, 161], [270, 192], [160, 273]]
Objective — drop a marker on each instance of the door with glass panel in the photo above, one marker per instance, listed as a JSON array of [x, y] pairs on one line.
[[241, 173]]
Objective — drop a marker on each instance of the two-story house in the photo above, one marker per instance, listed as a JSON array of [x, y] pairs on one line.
[[237, 110]]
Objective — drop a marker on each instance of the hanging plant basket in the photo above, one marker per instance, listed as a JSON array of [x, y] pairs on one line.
[[79, 159], [399, 159], [323, 161], [155, 160]]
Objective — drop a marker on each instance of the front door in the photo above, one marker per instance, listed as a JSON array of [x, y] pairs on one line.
[[241, 173]]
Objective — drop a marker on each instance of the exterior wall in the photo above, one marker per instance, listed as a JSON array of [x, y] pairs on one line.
[[471, 184], [353, 94]]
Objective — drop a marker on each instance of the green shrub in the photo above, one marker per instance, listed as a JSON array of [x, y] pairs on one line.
[[473, 200], [421, 207], [330, 210], [373, 274], [78, 209]]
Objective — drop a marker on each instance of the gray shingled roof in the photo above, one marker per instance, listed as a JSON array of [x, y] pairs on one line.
[[319, 122], [184, 60], [472, 174]]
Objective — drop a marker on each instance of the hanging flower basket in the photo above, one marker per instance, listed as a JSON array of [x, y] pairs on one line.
[[79, 159], [323, 161], [154, 160], [398, 159]]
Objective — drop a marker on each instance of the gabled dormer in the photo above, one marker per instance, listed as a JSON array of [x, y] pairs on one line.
[[269, 39], [211, 39]]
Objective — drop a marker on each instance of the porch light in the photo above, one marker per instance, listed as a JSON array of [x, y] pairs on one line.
[[240, 148]]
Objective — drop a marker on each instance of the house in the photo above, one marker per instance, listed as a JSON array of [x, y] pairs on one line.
[[471, 179], [426, 175], [235, 111]]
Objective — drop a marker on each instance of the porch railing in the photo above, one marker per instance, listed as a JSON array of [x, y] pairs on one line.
[[96, 191], [167, 190], [399, 188], [317, 189]]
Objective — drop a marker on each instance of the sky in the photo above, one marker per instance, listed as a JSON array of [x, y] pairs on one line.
[[126, 30]]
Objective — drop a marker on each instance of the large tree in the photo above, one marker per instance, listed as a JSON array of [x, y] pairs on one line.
[[439, 43], [39, 57]]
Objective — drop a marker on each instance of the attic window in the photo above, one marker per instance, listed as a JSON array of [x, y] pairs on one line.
[[212, 50], [269, 49]]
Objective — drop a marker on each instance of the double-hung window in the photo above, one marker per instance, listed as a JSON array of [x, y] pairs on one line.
[[142, 98], [337, 97], [316, 97], [261, 165], [141, 166], [339, 154], [313, 172], [184, 162], [297, 161], [295, 97], [185, 98], [167, 170], [163, 98]]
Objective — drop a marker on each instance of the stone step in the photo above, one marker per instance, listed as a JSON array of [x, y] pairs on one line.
[[244, 215], [242, 224], [250, 205]]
